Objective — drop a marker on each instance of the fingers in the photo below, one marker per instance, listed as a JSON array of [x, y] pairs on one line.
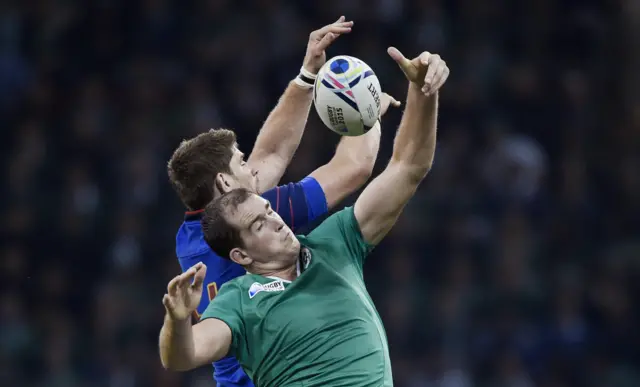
[[194, 276], [431, 61], [326, 41], [201, 272], [393, 101], [339, 27], [440, 76], [437, 73], [172, 287], [425, 58], [186, 278], [387, 101]]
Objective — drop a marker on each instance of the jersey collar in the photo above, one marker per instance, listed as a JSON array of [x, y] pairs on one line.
[[302, 263], [193, 215]]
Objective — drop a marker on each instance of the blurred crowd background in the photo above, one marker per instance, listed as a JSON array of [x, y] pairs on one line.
[[516, 265]]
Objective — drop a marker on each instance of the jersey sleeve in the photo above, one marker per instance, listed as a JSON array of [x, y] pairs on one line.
[[344, 228], [226, 307], [298, 204]]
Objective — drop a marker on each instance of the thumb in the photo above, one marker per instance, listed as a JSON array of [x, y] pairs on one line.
[[166, 301], [396, 55], [405, 64]]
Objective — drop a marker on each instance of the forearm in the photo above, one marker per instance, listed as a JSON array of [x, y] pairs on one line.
[[177, 350], [415, 142], [357, 155], [361, 151], [282, 131], [381, 203], [281, 134], [350, 167]]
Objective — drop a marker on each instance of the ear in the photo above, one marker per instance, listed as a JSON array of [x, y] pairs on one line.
[[240, 257], [223, 183]]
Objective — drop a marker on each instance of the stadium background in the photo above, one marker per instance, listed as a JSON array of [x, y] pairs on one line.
[[517, 264]]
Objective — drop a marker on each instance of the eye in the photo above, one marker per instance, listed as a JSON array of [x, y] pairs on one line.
[[260, 226]]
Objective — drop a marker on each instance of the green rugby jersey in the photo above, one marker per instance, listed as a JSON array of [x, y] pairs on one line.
[[322, 329]]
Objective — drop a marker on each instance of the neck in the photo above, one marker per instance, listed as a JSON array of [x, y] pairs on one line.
[[289, 273]]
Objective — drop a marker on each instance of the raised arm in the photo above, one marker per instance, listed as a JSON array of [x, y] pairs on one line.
[[353, 162], [183, 346], [282, 131], [381, 203]]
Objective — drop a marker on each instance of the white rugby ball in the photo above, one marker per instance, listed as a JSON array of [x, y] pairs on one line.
[[347, 96]]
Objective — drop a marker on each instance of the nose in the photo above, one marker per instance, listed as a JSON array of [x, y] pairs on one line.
[[280, 226], [254, 172]]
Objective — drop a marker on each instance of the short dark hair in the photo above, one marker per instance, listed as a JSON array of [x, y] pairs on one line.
[[220, 235], [193, 167]]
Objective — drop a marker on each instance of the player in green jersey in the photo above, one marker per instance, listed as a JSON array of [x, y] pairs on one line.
[[302, 316]]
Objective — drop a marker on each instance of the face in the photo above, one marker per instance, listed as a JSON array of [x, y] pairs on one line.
[[243, 175], [269, 244]]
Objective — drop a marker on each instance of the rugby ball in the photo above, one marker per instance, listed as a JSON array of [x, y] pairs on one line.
[[347, 96]]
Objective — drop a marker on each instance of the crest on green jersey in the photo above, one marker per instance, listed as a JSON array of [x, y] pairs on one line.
[[256, 287], [305, 258]]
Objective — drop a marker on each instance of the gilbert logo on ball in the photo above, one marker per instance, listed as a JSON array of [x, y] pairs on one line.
[[347, 96]]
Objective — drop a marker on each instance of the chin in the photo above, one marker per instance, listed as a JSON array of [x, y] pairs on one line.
[[295, 244]]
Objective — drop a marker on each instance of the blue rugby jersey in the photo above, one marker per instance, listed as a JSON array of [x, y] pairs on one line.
[[297, 203]]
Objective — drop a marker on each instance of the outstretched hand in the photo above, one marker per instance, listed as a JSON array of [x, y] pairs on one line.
[[319, 40], [428, 71], [184, 292]]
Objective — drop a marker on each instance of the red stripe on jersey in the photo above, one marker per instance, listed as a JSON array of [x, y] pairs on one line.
[[291, 212]]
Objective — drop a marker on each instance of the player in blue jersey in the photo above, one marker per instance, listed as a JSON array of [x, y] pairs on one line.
[[211, 164]]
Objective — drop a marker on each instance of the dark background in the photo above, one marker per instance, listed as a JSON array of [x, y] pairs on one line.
[[516, 265]]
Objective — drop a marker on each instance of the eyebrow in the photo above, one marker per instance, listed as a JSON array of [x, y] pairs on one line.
[[259, 216]]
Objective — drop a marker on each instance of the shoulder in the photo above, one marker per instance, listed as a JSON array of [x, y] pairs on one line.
[[236, 285], [341, 231], [336, 225], [191, 248], [190, 240]]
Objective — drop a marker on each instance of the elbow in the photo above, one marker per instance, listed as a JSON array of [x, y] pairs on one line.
[[359, 175], [362, 173], [173, 366], [418, 173], [166, 365], [175, 362], [355, 172], [363, 168]]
